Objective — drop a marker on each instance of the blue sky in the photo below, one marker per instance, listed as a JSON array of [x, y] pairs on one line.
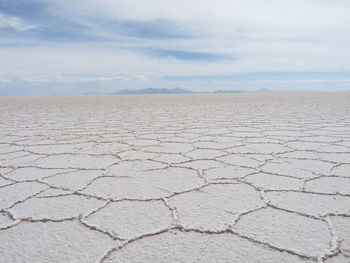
[[102, 46]]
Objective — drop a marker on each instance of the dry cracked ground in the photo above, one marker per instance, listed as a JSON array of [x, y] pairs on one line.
[[175, 178]]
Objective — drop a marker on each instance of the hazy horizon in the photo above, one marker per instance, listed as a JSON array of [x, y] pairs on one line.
[[81, 47]]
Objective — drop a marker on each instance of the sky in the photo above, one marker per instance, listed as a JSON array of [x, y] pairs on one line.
[[104, 46]]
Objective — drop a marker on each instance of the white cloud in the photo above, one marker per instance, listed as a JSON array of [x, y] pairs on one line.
[[260, 34], [66, 79], [222, 17], [15, 23]]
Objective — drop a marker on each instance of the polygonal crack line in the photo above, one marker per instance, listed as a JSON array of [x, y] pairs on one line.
[[100, 177], [280, 249], [239, 215], [60, 173], [154, 169], [322, 218], [46, 219], [242, 179], [285, 159], [163, 199], [15, 221], [316, 174], [256, 170], [54, 168], [39, 180], [16, 151], [337, 165], [224, 149], [334, 244], [325, 176], [76, 154], [171, 194], [69, 191], [93, 227], [309, 192], [213, 159], [344, 252], [302, 184], [202, 231], [141, 159], [199, 188], [198, 159], [97, 228], [11, 182], [17, 157], [25, 199], [224, 153], [277, 174], [242, 166], [129, 143], [259, 190], [320, 152], [41, 155], [313, 141], [121, 177], [5, 167], [199, 172], [32, 220], [113, 235], [173, 211]]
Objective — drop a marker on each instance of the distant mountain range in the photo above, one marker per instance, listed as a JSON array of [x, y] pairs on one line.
[[172, 91]]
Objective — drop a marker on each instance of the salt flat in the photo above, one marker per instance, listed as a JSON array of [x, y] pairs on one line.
[[175, 178]]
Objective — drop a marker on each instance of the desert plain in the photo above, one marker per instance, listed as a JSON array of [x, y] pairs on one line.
[[175, 178]]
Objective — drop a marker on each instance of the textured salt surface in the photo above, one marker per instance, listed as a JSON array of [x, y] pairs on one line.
[[175, 178]]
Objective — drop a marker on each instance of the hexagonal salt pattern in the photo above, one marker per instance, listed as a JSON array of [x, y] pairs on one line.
[[175, 178]]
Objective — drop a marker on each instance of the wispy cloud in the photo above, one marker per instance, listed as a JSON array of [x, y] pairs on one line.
[[15, 23], [187, 55], [79, 79]]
